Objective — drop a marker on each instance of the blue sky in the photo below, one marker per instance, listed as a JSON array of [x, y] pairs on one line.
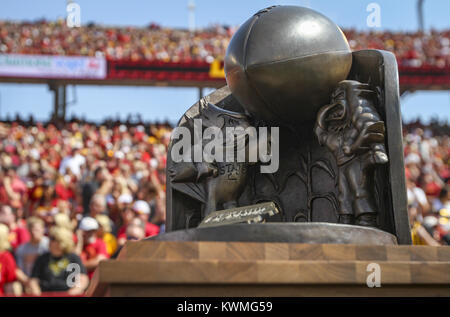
[[160, 103]]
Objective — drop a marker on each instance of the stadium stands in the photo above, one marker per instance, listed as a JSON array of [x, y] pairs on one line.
[[175, 45], [182, 58]]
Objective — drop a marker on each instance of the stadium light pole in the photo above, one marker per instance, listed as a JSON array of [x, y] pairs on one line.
[[191, 9], [59, 100], [420, 14], [191, 24]]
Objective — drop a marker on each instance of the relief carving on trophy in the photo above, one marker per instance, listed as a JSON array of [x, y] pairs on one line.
[[304, 141]]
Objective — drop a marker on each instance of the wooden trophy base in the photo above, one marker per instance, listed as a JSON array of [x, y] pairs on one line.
[[233, 269]]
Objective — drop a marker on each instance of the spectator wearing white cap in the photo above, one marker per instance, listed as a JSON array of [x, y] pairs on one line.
[[142, 211], [126, 216], [417, 197], [92, 249], [125, 199]]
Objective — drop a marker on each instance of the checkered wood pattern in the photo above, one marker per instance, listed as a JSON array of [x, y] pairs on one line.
[[165, 268]]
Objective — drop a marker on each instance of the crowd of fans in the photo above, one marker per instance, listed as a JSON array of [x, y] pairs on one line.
[[166, 44], [71, 195], [130, 43], [427, 169], [416, 49], [74, 194]]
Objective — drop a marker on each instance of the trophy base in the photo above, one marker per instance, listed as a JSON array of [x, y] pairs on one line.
[[259, 269], [311, 232]]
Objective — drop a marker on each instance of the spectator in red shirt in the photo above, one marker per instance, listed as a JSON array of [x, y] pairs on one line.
[[18, 235], [134, 232], [91, 248], [126, 217], [142, 211], [62, 189], [140, 214], [12, 189], [7, 262]]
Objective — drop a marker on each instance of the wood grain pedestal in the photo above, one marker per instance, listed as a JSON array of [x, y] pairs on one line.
[[233, 269]]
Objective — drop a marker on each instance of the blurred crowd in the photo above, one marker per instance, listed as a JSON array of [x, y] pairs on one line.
[[175, 45], [74, 194], [71, 195], [427, 169], [416, 49], [130, 43]]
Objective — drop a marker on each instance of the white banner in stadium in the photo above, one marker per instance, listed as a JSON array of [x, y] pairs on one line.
[[47, 66]]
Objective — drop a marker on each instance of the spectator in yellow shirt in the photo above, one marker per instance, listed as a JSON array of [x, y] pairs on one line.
[[104, 233], [419, 234]]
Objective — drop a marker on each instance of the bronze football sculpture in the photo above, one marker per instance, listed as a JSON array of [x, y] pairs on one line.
[[283, 63], [340, 172]]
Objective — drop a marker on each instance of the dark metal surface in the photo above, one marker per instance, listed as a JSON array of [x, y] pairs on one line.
[[306, 188], [283, 63], [345, 180], [184, 199], [284, 232], [352, 129], [379, 68], [217, 185]]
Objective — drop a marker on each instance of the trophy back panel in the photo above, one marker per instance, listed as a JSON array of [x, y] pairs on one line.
[[379, 69]]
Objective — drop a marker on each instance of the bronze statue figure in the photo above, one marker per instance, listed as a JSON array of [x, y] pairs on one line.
[[219, 183], [351, 128]]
